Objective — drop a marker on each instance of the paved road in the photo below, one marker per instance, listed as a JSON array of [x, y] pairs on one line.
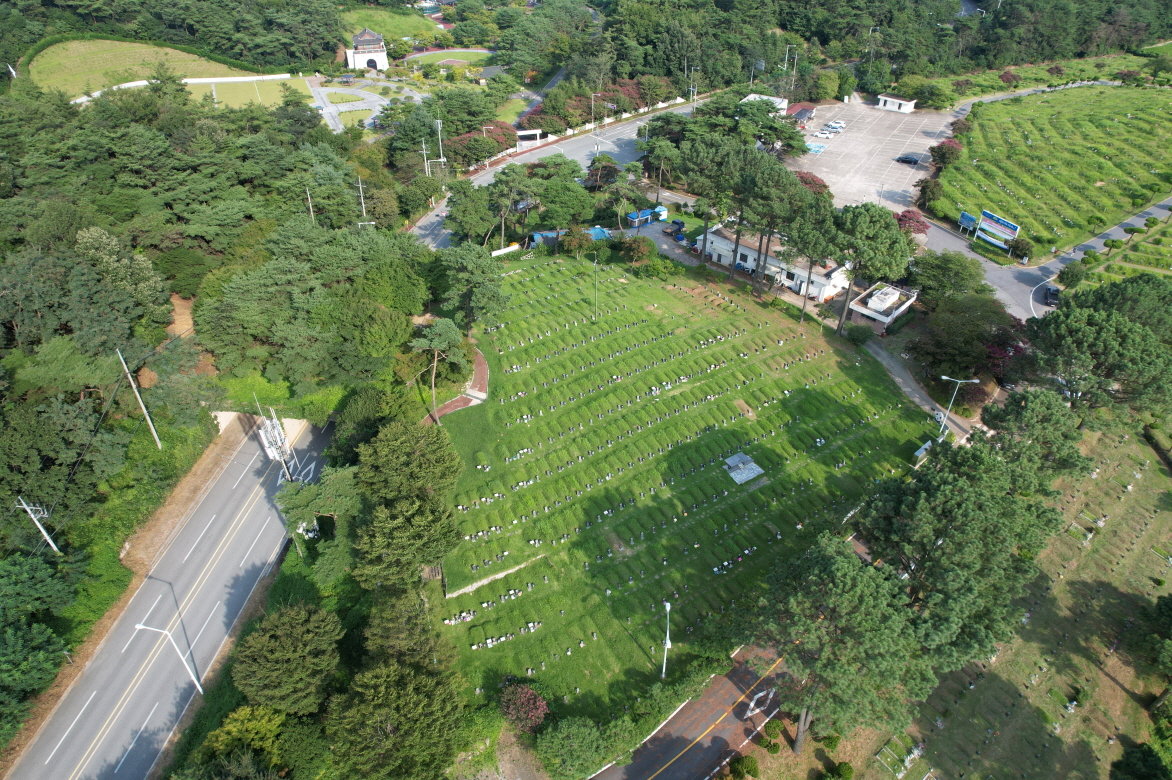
[[369, 102], [116, 718], [1019, 287], [705, 732], [616, 139]]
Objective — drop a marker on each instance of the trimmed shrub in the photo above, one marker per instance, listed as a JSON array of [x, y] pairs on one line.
[[773, 729], [744, 766]]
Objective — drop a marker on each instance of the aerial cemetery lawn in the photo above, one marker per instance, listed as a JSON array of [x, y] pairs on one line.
[[595, 486]]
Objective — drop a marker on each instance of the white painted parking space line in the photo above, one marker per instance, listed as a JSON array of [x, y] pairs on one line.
[[145, 721], [244, 473], [196, 542], [254, 541], [144, 617], [71, 725]]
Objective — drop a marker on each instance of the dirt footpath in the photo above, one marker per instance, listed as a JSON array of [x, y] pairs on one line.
[[139, 553]]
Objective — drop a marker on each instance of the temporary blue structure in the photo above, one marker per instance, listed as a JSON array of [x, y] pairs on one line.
[[659, 213]]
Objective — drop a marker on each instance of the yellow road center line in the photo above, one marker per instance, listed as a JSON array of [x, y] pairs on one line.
[[237, 522], [715, 723]]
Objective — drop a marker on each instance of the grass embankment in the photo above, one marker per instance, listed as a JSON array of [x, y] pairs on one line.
[[988, 82], [467, 57], [511, 110], [75, 67], [1052, 163], [603, 440], [1150, 252], [390, 24]]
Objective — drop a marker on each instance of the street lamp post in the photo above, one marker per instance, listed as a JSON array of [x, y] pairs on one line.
[[666, 641], [182, 658], [955, 390], [595, 253]]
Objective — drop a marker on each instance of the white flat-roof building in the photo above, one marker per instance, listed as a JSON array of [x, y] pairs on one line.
[[896, 103], [825, 281], [882, 303]]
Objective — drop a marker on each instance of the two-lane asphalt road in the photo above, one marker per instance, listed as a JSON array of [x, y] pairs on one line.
[[117, 717], [616, 139]]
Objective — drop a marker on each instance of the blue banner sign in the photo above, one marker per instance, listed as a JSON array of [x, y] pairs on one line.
[[967, 220], [996, 230]]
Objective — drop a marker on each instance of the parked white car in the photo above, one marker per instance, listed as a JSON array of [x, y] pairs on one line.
[[823, 134], [837, 123]]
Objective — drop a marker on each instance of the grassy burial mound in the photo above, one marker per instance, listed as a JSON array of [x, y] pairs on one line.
[[390, 24], [1064, 165], [595, 485], [77, 66]]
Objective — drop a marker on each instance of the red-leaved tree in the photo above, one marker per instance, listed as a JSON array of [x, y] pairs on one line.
[[911, 221], [524, 707], [813, 182], [1009, 77]]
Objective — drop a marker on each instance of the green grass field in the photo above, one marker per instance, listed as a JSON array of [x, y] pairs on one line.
[[1009, 719], [389, 24], [988, 82], [1048, 162], [77, 66], [468, 57], [596, 467], [342, 97], [511, 109], [267, 93]]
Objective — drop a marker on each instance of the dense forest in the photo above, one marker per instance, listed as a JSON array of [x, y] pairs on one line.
[[106, 210]]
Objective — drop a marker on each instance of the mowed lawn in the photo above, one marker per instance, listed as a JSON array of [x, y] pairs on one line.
[[77, 66], [267, 93], [389, 24], [511, 109], [596, 465], [467, 57], [1048, 162]]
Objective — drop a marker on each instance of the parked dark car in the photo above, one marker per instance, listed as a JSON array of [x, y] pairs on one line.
[[908, 159], [675, 227], [1051, 295]]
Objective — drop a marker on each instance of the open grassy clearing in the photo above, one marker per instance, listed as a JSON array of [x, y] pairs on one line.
[[596, 469], [77, 66], [468, 57], [267, 93], [390, 24], [511, 109], [988, 82], [1010, 718], [342, 97], [1049, 162]]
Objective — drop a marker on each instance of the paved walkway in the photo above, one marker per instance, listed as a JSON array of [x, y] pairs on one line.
[[705, 732], [369, 102], [475, 392]]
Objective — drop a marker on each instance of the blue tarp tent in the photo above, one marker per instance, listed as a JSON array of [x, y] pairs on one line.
[[547, 237], [598, 233], [659, 213]]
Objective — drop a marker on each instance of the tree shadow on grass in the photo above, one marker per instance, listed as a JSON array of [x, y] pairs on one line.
[[994, 731]]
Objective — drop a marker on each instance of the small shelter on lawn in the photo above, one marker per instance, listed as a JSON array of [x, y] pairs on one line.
[[369, 52], [488, 72], [826, 279], [896, 103], [742, 468]]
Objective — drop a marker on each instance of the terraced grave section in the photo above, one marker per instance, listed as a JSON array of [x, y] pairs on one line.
[[595, 486], [1053, 162]]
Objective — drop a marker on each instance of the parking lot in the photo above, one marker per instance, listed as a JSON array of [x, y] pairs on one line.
[[859, 163]]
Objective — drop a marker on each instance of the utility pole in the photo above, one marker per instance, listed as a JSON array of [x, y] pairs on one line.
[[37, 514], [439, 134], [361, 197], [141, 405], [309, 200], [692, 88], [426, 162], [272, 438]]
